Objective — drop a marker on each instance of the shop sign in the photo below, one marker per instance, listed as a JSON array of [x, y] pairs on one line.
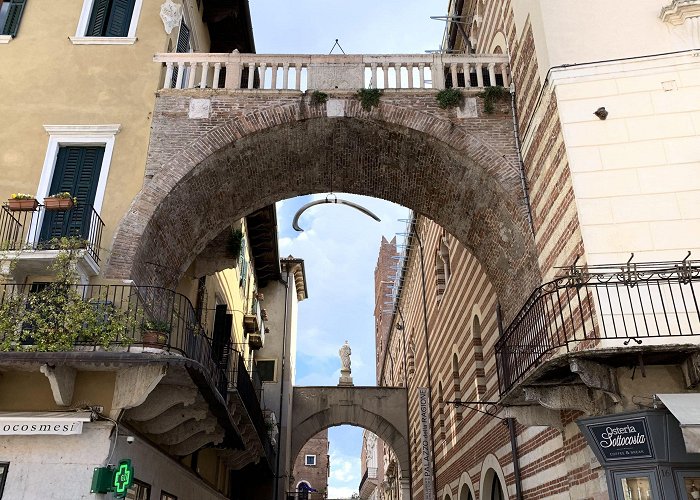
[[622, 439], [426, 443], [32, 424]]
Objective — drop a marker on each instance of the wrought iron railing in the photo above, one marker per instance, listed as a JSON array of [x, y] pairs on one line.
[[598, 307], [39, 229]]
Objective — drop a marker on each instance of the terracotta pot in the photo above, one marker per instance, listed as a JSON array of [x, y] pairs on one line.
[[22, 205], [58, 203], [154, 338]]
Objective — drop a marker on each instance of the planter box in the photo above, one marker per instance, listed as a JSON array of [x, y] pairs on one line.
[[153, 338], [58, 203], [23, 205]]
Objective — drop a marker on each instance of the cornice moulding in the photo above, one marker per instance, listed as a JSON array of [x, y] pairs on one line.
[[110, 130], [679, 10]]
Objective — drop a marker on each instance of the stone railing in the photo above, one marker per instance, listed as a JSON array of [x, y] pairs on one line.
[[329, 72]]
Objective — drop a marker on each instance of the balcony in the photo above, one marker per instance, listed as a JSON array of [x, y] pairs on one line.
[[29, 237], [613, 313], [254, 326], [368, 483], [115, 325], [330, 72]]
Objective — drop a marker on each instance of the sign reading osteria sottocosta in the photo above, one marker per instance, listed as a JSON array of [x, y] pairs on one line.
[[622, 439]]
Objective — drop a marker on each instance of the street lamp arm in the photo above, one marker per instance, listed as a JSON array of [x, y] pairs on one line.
[[328, 199]]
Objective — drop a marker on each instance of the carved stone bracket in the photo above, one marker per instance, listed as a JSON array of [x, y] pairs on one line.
[[596, 376], [195, 442], [172, 418], [684, 13], [133, 386], [534, 415], [564, 397], [163, 398], [691, 370], [185, 431], [62, 381]]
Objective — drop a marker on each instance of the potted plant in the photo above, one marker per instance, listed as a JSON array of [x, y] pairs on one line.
[[60, 201], [21, 202], [154, 333]]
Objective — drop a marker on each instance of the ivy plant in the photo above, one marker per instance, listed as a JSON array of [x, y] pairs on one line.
[[369, 98], [318, 97], [449, 98], [491, 95]]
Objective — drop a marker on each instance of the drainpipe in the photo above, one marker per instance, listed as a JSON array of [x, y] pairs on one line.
[[282, 371], [511, 429]]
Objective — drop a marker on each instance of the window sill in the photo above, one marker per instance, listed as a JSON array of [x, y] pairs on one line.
[[102, 40], [5, 38]]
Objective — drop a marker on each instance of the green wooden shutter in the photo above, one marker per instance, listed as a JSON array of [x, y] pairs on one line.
[[183, 46], [119, 18], [14, 15], [98, 18]]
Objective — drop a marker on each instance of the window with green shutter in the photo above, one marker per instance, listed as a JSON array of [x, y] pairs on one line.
[[10, 16], [110, 18]]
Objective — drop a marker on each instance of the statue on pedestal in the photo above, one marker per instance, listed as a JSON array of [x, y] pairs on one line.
[[344, 352]]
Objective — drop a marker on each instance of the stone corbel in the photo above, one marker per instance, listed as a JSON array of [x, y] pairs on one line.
[[691, 370], [195, 442], [62, 381], [684, 13], [596, 376], [185, 431], [564, 397], [171, 418], [162, 398], [534, 415], [132, 386]]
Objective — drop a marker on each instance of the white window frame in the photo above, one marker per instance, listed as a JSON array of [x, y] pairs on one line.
[[306, 460], [81, 39]]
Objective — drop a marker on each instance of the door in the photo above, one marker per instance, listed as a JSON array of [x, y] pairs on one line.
[[77, 171], [642, 484]]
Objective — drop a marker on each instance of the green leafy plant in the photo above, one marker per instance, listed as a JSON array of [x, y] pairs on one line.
[[234, 243], [449, 98], [154, 325], [21, 196], [491, 95], [64, 195], [318, 97], [58, 317], [369, 98]]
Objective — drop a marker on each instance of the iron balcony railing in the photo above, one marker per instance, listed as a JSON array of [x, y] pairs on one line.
[[135, 310], [598, 307], [39, 229]]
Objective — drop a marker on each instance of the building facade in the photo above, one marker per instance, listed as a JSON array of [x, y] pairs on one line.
[[312, 467]]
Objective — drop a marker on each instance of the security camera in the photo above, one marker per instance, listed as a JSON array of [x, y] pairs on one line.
[[130, 439]]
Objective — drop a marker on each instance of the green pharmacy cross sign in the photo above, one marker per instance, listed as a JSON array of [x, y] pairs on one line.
[[123, 478]]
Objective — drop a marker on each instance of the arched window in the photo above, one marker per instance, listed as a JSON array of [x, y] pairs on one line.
[[441, 411], [496, 490], [479, 375], [442, 266], [456, 386], [465, 493]]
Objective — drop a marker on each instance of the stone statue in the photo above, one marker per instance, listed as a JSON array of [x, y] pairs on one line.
[[344, 352]]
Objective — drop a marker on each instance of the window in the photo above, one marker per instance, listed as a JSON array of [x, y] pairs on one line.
[[3, 476], [496, 490], [139, 491], [184, 45], [266, 370], [164, 495], [10, 16], [108, 22], [310, 460]]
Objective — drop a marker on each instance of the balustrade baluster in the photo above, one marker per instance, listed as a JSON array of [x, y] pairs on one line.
[[251, 75], [297, 83], [273, 84], [180, 72], [421, 75], [217, 74], [453, 73], [193, 75], [262, 69], [479, 75], [409, 67], [385, 70], [168, 75], [205, 73], [233, 75], [492, 74], [504, 73], [397, 69], [373, 81], [285, 75]]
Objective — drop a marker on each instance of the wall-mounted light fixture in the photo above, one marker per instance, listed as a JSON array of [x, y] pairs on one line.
[[601, 113]]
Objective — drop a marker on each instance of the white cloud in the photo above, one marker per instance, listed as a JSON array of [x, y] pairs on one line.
[[340, 491]]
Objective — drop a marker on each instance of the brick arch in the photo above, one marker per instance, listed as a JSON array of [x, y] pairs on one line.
[[460, 173], [380, 410]]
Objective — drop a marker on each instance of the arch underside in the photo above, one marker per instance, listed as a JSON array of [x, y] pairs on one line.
[[167, 227]]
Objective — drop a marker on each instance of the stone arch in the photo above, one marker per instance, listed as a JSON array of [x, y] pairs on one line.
[[380, 410], [463, 176], [466, 488], [491, 468], [498, 43]]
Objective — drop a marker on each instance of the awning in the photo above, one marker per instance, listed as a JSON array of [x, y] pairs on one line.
[[50, 422], [686, 408]]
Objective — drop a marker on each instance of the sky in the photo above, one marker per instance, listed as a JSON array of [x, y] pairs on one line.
[[339, 244]]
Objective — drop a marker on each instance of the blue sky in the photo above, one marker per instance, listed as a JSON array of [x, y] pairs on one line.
[[339, 244]]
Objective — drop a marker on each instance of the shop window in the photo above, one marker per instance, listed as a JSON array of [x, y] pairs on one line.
[[4, 466], [266, 369], [164, 495], [139, 491], [310, 460], [10, 16]]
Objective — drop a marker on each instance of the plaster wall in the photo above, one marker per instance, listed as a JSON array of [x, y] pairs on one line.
[[55, 467], [636, 175], [162, 473], [61, 83]]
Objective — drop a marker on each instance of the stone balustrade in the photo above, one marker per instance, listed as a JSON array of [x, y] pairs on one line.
[[329, 72]]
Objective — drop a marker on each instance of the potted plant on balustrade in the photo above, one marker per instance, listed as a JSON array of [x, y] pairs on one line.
[[22, 202], [154, 333], [60, 201]]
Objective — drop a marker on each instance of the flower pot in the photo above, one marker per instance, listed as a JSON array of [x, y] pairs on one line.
[[153, 338], [22, 205], [58, 203]]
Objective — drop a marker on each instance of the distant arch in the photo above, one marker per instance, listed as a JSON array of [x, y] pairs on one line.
[[492, 477]]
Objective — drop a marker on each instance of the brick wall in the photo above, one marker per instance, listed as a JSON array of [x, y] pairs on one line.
[[315, 475]]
